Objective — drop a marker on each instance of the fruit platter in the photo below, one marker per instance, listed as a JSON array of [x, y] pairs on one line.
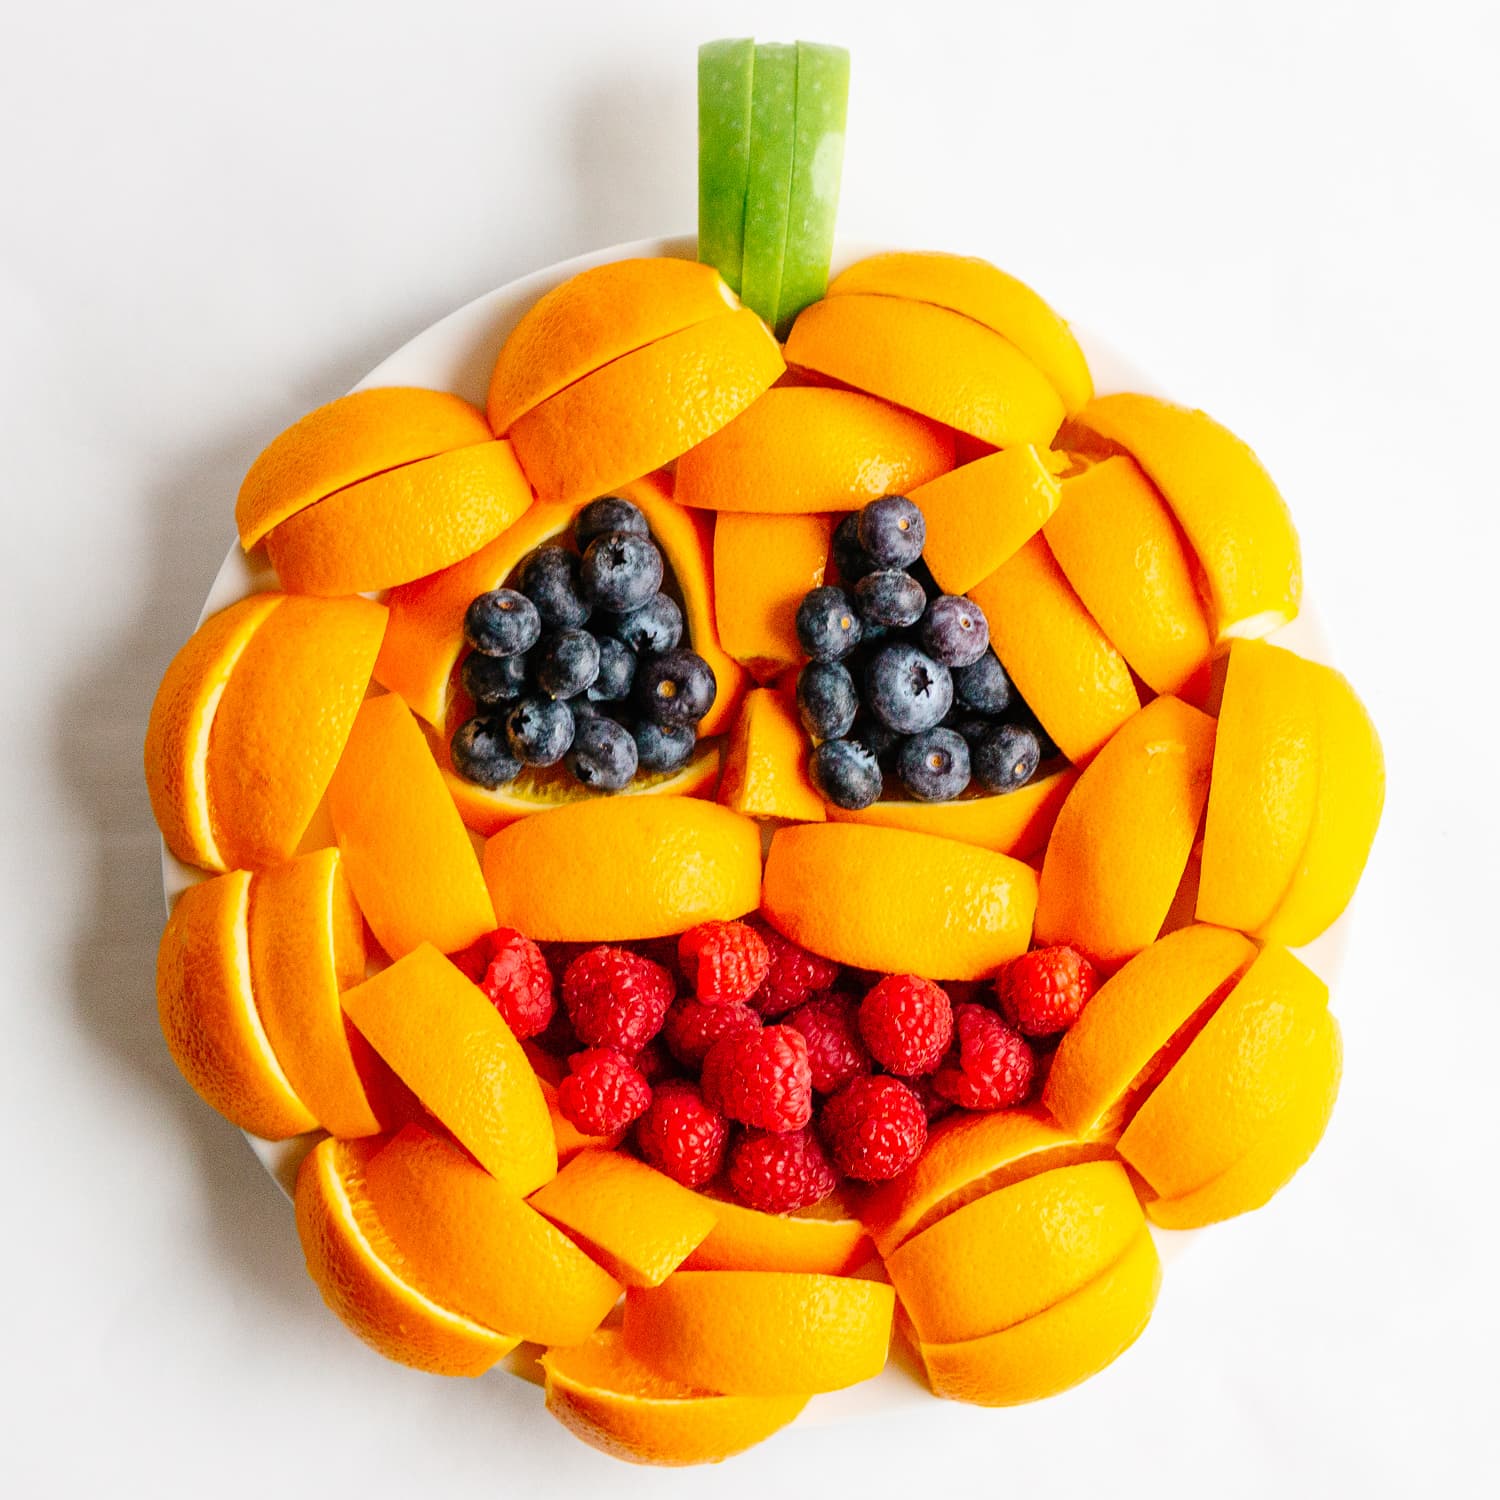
[[754, 818]]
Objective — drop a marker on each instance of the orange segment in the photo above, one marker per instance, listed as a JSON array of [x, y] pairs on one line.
[[761, 1333], [365, 1280], [1123, 837], [401, 525], [1063, 665], [407, 854], [898, 902], [208, 1016], [646, 408], [473, 1243], [181, 725], [625, 868], [593, 318], [936, 362], [763, 565], [365, 433], [765, 772], [805, 449], [825, 1238], [451, 1047]]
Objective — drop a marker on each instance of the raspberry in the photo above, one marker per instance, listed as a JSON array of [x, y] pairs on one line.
[[615, 998], [761, 1078], [834, 1049], [723, 961], [794, 977], [777, 1173], [907, 1024], [653, 1063], [995, 1064], [933, 1102], [875, 1127], [1045, 991], [510, 969], [681, 1135], [693, 1027], [603, 1092]]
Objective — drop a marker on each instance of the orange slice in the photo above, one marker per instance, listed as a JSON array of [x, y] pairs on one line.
[[405, 849], [761, 1333], [805, 449], [635, 1221], [451, 1047], [365, 1280], [1122, 839], [207, 1012], [364, 433], [612, 1401], [763, 565], [1063, 665], [593, 318], [953, 912], [825, 1238], [473, 1243], [402, 524], [936, 362], [181, 725], [646, 408], [765, 772], [619, 869]]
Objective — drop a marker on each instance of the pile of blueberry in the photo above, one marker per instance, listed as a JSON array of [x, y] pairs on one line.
[[902, 677], [620, 696]]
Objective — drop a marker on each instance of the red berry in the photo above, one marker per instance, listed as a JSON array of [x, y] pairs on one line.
[[1044, 991], [995, 1064], [875, 1127], [777, 1173], [603, 1092], [615, 998], [653, 1063], [761, 1078], [925, 1089], [682, 1135], [834, 1049], [510, 969], [794, 977], [907, 1024], [723, 961], [693, 1027]]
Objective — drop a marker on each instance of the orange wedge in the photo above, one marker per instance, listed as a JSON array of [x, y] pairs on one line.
[[1234, 517], [181, 724], [761, 1333], [611, 1400], [365, 1279], [623, 868], [936, 362], [763, 565], [593, 318], [804, 449], [365, 433], [1122, 840], [955, 912], [765, 772], [451, 1047], [646, 408], [207, 1012], [405, 849], [825, 1238], [1062, 664], [473, 1243]]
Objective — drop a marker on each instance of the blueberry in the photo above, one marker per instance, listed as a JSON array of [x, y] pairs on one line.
[[664, 747], [549, 578], [482, 755], [906, 690], [491, 680], [983, 685], [968, 725], [845, 774], [1006, 758], [600, 517], [954, 630], [889, 597], [677, 687], [892, 531], [883, 743], [655, 626], [502, 623], [539, 730], [826, 699], [828, 625], [849, 558], [621, 571], [934, 765], [602, 755], [616, 672], [567, 663]]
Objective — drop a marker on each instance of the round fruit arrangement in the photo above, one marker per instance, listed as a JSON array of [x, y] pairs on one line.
[[745, 848]]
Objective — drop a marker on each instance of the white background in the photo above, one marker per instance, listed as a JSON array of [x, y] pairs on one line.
[[215, 216]]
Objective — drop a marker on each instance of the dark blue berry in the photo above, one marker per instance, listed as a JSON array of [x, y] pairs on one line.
[[549, 578], [845, 774], [616, 672], [883, 743], [969, 725], [664, 747], [492, 680], [826, 699], [482, 754], [621, 571], [600, 517], [539, 730], [828, 625], [567, 663], [892, 531], [907, 690], [1006, 758], [983, 685], [502, 623], [954, 630], [655, 626], [889, 597], [850, 560], [934, 765], [677, 687], [602, 755]]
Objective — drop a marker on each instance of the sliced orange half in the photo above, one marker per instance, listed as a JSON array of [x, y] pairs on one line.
[[763, 566], [765, 771]]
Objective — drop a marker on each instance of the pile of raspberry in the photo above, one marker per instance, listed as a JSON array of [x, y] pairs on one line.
[[734, 1058]]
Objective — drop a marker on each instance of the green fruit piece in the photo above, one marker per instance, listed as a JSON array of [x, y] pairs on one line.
[[725, 72], [773, 132], [817, 168]]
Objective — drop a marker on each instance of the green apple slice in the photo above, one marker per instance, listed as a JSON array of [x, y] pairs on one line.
[[773, 130], [817, 169], [725, 72]]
